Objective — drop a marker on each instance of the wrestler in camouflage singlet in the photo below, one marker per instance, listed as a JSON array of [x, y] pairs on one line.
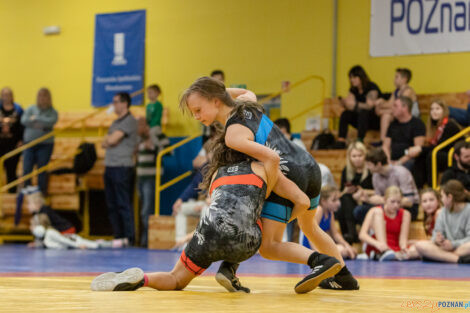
[[296, 164], [228, 229]]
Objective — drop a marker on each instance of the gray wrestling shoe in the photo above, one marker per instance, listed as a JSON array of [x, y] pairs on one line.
[[130, 279], [226, 277]]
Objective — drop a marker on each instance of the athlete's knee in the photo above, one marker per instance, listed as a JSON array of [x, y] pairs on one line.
[[267, 249]]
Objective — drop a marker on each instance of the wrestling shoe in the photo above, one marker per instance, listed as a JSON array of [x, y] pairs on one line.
[[226, 277], [341, 281], [323, 266], [130, 279]]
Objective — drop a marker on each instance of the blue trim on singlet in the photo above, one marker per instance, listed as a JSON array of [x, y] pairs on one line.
[[264, 129], [276, 212], [325, 223], [314, 202]]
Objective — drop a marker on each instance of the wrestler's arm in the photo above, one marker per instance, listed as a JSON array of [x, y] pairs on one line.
[[240, 138]]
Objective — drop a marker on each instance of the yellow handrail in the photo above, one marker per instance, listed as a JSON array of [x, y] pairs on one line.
[[158, 187], [440, 147]]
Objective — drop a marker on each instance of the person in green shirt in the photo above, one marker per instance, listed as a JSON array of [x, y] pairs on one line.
[[155, 115]]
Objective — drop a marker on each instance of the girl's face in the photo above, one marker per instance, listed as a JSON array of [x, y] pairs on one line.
[[357, 158], [436, 111], [429, 203], [393, 203], [446, 200], [202, 109], [332, 203], [355, 81]]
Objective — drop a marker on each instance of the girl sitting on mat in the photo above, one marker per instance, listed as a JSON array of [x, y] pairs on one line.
[[390, 225], [325, 217], [450, 240]]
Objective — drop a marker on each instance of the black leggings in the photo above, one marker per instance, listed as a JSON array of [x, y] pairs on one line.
[[361, 119]]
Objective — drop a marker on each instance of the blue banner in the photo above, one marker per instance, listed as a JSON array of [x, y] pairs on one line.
[[119, 56]]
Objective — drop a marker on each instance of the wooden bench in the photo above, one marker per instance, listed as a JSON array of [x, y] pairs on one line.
[[332, 107]]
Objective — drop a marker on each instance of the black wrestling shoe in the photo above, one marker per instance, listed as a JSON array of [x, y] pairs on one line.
[[130, 279], [226, 277], [464, 259], [323, 266], [341, 281]]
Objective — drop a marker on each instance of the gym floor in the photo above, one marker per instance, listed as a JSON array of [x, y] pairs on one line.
[[35, 280]]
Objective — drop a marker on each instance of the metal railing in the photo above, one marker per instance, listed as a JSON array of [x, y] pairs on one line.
[[440, 147], [159, 188]]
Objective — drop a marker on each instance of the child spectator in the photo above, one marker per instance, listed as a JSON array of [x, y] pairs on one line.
[[390, 224], [11, 132], [440, 128], [356, 183], [385, 175], [39, 120], [156, 117], [384, 108], [460, 170], [359, 105], [146, 160], [450, 240], [431, 204], [329, 204], [405, 136], [55, 232]]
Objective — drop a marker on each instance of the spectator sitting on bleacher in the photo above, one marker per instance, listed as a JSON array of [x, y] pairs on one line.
[[11, 132], [384, 176], [405, 136], [356, 182], [440, 128], [329, 204], [359, 105], [384, 107], [460, 169], [120, 144], [39, 120], [451, 236], [390, 224]]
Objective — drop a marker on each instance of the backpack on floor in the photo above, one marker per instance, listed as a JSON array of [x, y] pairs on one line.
[[324, 140]]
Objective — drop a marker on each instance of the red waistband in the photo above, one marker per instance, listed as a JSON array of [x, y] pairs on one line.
[[247, 179]]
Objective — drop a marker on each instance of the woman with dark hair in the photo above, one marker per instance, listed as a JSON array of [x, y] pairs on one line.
[[360, 106], [39, 120], [451, 235]]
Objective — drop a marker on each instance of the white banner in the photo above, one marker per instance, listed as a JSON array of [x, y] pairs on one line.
[[401, 27]]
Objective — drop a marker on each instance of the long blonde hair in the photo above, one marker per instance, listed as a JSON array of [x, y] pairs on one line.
[[350, 169], [392, 191]]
